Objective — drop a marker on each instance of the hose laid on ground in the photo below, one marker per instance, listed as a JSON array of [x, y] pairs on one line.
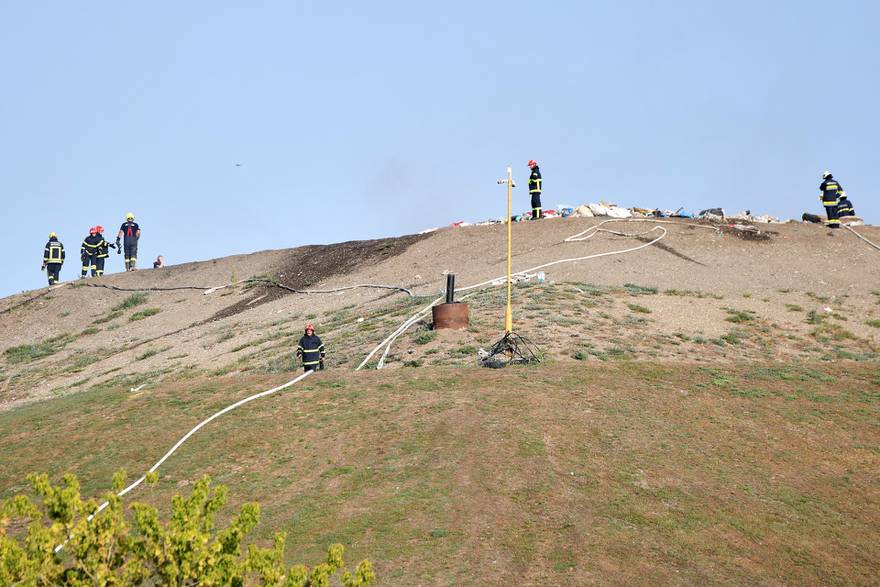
[[338, 289], [860, 236], [209, 290], [186, 436], [418, 315]]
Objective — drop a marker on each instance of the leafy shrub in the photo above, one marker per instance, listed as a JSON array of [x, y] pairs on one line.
[[144, 314], [119, 549], [130, 302]]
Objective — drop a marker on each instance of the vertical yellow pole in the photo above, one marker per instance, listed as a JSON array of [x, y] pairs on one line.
[[508, 314]]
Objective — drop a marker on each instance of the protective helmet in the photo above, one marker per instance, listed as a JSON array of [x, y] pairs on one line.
[[826, 175], [99, 229], [309, 326], [533, 163], [93, 230], [129, 216], [53, 235]]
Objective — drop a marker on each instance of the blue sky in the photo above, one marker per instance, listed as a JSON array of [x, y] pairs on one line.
[[359, 120]]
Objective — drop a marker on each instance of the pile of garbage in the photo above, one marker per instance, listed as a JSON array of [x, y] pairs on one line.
[[609, 210]]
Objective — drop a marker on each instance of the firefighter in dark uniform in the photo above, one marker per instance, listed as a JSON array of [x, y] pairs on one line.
[[103, 252], [844, 206], [53, 258], [131, 232], [311, 349], [830, 189], [88, 253], [535, 189]]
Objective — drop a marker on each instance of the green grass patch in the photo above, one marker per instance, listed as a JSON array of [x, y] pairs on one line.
[[638, 309], [793, 308], [425, 337], [640, 290], [875, 323], [144, 314], [111, 316], [739, 316], [26, 353], [131, 301]]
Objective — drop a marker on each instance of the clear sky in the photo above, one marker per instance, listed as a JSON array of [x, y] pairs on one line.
[[354, 120]]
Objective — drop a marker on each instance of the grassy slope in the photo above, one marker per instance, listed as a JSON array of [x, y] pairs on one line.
[[622, 473]]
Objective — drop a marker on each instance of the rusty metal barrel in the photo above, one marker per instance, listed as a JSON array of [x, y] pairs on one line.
[[450, 315]]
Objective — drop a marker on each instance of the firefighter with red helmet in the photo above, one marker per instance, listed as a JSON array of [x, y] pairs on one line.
[[103, 251], [311, 350], [88, 253], [535, 189]]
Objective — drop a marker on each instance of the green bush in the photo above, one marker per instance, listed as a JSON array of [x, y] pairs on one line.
[[116, 548], [425, 336], [144, 314], [639, 309], [130, 302]]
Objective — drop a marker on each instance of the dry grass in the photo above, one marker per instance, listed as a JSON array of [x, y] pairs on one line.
[[626, 473]]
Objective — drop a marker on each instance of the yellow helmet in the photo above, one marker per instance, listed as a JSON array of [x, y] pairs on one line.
[[129, 216], [53, 235]]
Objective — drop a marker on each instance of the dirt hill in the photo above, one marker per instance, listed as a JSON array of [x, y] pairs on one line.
[[698, 294], [706, 410]]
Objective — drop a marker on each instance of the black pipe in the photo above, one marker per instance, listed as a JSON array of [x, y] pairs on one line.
[[450, 287]]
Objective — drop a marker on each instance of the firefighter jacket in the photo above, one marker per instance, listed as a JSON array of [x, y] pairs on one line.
[[830, 189], [53, 253], [845, 207], [535, 181], [311, 349], [130, 230], [103, 247], [91, 245]]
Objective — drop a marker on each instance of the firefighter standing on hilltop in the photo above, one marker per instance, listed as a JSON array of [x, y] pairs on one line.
[[132, 234], [103, 251], [830, 197], [88, 253], [53, 258], [535, 189], [311, 349]]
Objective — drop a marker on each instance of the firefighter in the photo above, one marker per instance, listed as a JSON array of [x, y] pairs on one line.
[[132, 233], [88, 253], [311, 349], [53, 258], [535, 189], [103, 252], [830, 197], [844, 206]]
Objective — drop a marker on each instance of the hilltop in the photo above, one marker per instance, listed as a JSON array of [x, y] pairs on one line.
[[706, 409]]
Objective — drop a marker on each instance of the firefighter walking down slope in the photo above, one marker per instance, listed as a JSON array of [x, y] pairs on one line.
[[311, 349], [830, 197], [88, 253], [535, 189], [132, 234], [53, 258]]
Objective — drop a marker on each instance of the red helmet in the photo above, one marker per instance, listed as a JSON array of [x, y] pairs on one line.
[[99, 229], [310, 327], [533, 163], [93, 230]]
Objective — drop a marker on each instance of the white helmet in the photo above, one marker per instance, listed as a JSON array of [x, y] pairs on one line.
[[826, 175]]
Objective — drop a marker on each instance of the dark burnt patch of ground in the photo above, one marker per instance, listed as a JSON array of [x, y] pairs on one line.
[[305, 267]]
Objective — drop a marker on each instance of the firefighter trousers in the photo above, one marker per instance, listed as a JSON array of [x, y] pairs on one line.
[[53, 270]]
